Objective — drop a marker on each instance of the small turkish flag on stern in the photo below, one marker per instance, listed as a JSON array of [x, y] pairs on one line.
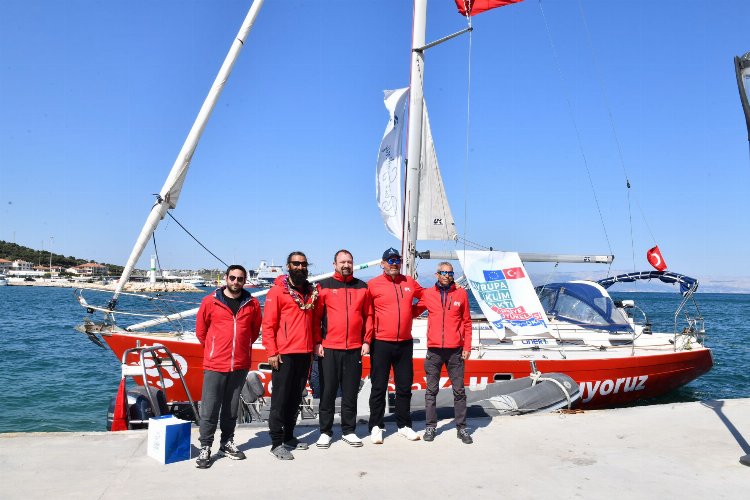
[[655, 259]]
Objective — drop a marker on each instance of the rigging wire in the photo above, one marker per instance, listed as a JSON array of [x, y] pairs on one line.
[[196, 239], [156, 252], [575, 124], [468, 126], [615, 136]]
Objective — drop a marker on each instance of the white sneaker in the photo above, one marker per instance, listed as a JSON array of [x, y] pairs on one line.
[[353, 440], [376, 435], [324, 441], [408, 433]]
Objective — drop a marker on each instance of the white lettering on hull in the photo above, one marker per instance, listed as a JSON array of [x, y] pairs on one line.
[[591, 389]]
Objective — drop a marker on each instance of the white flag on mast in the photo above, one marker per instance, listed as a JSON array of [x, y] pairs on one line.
[[388, 168]]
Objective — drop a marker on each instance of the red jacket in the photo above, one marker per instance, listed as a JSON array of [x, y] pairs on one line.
[[287, 329], [449, 319], [346, 312], [392, 301], [226, 338]]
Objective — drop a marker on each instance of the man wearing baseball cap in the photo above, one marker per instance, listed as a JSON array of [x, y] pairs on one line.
[[393, 295]]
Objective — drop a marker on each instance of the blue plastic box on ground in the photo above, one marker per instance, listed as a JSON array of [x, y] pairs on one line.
[[169, 439]]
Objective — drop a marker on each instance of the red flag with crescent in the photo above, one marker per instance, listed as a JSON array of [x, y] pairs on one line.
[[474, 7], [655, 259]]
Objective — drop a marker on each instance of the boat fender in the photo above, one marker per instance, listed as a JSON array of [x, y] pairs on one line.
[[252, 390]]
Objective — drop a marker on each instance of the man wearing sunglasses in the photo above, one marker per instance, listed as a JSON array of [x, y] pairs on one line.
[[449, 344], [393, 296], [346, 330], [291, 327], [227, 324]]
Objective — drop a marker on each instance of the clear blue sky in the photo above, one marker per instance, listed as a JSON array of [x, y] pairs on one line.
[[96, 99]]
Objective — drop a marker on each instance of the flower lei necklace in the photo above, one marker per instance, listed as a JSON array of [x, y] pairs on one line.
[[298, 298]]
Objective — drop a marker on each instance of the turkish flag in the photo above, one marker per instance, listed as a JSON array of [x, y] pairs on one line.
[[655, 259], [475, 7], [513, 273]]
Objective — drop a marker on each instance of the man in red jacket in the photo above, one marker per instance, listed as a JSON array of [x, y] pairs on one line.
[[449, 344], [227, 324], [291, 327], [393, 296], [346, 330]]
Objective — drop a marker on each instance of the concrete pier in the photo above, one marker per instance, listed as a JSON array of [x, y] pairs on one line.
[[690, 449]]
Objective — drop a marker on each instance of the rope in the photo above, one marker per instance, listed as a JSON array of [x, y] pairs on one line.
[[537, 377], [575, 124]]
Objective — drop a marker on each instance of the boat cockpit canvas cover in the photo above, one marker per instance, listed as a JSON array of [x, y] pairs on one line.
[[687, 284], [583, 303]]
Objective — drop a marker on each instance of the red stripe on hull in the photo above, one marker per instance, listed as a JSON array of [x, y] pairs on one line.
[[604, 382]]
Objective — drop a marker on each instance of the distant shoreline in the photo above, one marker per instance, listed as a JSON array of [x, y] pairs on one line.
[[129, 287]]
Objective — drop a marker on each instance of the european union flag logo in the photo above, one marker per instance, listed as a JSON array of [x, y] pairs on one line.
[[493, 275]]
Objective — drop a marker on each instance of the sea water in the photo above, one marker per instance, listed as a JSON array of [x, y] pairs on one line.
[[52, 378]]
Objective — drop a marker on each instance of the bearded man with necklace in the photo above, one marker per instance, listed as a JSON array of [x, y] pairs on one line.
[[291, 327]]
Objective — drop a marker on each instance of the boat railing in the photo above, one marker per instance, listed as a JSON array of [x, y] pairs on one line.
[[696, 327], [162, 360]]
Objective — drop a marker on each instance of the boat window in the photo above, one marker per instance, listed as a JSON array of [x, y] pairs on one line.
[[547, 297], [583, 303], [575, 309]]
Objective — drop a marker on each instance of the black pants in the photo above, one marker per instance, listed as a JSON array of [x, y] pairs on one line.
[[433, 365], [383, 356], [221, 391], [339, 368], [288, 382]]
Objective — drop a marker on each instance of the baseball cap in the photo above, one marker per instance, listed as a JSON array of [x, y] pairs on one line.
[[391, 252]]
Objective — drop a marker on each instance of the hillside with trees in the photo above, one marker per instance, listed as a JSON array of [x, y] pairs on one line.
[[12, 251]]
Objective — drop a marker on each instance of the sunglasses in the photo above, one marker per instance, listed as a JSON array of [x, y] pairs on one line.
[[236, 278], [394, 260], [445, 273], [296, 263]]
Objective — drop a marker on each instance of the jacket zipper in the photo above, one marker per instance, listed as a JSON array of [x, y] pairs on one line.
[[398, 306], [346, 303]]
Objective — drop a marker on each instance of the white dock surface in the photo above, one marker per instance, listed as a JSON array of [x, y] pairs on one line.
[[690, 449]]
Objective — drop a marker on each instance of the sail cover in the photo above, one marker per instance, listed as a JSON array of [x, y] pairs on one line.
[[504, 291], [388, 168], [435, 218], [742, 68]]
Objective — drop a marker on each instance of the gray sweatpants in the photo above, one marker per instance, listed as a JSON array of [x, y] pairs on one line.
[[433, 365], [221, 391]]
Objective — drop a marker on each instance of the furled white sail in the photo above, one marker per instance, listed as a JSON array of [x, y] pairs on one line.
[[435, 218], [388, 169]]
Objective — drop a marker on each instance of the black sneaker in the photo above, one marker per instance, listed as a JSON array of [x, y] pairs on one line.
[[229, 449], [429, 434], [204, 458], [295, 444], [464, 436]]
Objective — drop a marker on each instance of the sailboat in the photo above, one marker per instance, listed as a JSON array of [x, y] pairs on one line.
[[572, 328]]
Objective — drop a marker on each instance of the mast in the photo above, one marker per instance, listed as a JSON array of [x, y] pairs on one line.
[[414, 139], [170, 192]]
